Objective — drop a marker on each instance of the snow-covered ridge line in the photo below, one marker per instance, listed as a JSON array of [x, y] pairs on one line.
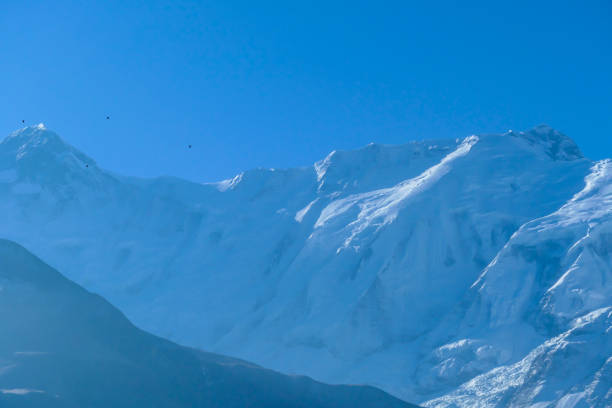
[[380, 207], [554, 143]]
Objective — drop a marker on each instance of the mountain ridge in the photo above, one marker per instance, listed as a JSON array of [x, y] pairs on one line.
[[33, 137], [349, 270]]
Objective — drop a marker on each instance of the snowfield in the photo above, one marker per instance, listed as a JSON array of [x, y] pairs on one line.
[[472, 272]]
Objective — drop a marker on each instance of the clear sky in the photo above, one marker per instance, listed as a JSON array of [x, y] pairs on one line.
[[280, 84]]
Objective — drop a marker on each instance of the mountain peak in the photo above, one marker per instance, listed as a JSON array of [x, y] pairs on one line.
[[33, 138], [555, 144], [36, 154]]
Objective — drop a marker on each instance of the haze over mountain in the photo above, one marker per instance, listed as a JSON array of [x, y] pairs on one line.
[[61, 346], [473, 272]]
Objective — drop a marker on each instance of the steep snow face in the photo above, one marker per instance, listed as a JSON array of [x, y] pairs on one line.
[[380, 207], [550, 284], [61, 346], [361, 268], [562, 262]]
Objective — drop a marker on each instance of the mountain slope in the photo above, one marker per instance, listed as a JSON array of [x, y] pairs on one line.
[[550, 285], [61, 346], [359, 269]]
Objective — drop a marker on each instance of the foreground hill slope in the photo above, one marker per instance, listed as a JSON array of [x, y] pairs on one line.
[[386, 265], [61, 346]]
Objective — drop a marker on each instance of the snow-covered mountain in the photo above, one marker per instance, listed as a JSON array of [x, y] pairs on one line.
[[437, 270], [538, 321], [61, 346]]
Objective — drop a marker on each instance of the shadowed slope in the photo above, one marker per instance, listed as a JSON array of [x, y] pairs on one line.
[[61, 346]]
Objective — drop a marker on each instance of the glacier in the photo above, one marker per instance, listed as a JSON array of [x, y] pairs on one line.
[[459, 272]]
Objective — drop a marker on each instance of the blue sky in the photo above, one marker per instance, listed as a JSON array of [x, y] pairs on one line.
[[280, 84]]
